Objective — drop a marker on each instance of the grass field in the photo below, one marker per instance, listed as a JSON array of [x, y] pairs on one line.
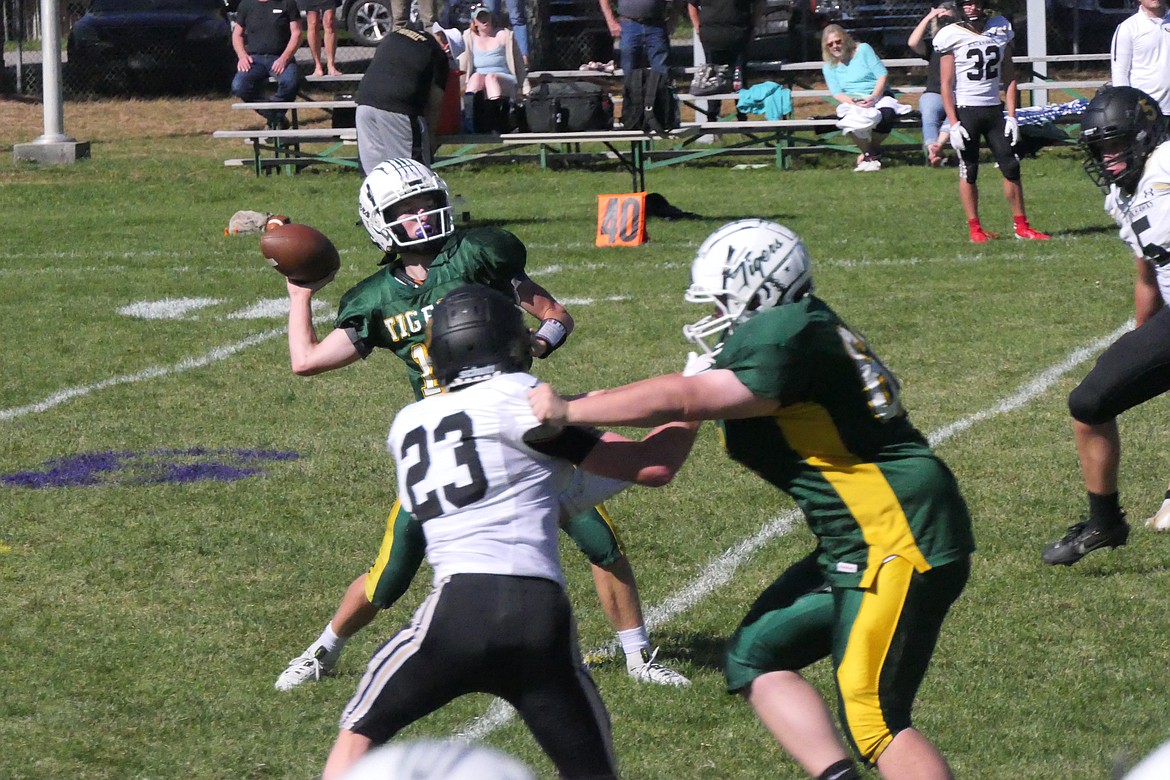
[[179, 514]]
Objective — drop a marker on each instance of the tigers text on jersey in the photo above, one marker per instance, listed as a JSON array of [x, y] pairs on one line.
[[979, 59], [1144, 217], [842, 445], [487, 501], [389, 311]]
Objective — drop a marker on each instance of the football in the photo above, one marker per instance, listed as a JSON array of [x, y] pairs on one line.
[[275, 221], [301, 253]]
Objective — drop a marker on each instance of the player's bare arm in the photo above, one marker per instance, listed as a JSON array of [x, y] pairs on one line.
[[1011, 91], [651, 462], [308, 356], [1146, 297], [713, 395], [541, 304], [946, 69]]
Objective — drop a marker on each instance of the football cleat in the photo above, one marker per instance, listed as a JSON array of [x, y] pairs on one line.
[[309, 665], [1031, 234], [1081, 540], [652, 672], [981, 236], [1161, 519]]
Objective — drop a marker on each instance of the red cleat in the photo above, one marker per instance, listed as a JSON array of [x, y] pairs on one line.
[[981, 236], [1027, 232]]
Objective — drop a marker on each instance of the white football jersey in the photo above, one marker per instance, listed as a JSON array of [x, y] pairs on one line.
[[979, 59], [488, 502], [1144, 217]]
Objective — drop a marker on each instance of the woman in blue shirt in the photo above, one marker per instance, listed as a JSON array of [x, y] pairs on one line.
[[857, 80]]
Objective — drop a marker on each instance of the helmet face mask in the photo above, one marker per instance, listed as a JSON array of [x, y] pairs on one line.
[[1120, 128], [474, 334], [387, 186], [971, 11], [743, 268]]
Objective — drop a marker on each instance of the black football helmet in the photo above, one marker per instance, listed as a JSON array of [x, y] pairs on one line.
[[1128, 115], [476, 333]]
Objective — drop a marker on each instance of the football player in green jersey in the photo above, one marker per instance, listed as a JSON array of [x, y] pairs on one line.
[[804, 403], [405, 208]]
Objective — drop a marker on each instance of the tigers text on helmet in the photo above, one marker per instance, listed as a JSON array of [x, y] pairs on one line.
[[476, 333], [391, 183], [1127, 125], [743, 268]]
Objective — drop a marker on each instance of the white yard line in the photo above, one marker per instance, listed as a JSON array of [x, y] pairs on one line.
[[720, 570]]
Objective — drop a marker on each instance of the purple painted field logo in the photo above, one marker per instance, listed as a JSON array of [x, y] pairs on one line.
[[154, 467]]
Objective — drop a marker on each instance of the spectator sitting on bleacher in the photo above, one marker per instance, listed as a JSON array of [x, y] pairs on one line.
[[935, 130], [494, 71], [265, 37], [857, 80], [517, 18]]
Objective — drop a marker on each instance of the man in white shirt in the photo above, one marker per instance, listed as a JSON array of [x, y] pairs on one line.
[[1140, 52], [487, 481]]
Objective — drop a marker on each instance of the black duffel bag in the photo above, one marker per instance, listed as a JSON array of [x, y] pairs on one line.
[[564, 106]]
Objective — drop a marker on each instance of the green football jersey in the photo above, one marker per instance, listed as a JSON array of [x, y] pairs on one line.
[[842, 445], [389, 311]]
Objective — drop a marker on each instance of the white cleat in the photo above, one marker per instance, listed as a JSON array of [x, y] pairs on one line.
[[652, 672], [1161, 520], [312, 664]]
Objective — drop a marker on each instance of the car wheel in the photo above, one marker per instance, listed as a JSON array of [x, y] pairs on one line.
[[369, 21]]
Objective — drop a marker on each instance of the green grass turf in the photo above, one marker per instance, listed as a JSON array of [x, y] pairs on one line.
[[142, 625]]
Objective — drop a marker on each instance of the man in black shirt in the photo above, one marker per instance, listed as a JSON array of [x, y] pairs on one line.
[[266, 36], [400, 96]]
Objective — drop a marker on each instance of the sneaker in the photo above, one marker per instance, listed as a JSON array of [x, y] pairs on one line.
[[867, 165], [309, 665], [1161, 519], [981, 236], [1081, 540], [1031, 235], [653, 672]]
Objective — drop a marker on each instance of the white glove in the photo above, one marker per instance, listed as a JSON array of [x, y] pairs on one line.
[[1011, 129], [697, 364], [959, 137]]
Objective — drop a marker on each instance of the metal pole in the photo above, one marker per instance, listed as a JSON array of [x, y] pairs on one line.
[[1038, 46], [51, 72]]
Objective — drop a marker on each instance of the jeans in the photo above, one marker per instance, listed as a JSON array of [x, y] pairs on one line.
[[934, 117], [518, 16], [249, 85], [647, 39]]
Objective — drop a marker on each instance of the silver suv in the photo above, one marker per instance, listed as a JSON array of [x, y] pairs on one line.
[[562, 34]]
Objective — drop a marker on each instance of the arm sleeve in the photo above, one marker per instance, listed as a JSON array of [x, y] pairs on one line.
[[872, 61], [354, 317], [1121, 59], [502, 257], [831, 79]]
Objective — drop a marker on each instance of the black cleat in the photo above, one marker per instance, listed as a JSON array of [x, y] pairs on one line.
[[1081, 540]]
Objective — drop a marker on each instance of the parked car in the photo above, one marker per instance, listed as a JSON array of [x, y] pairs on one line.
[[150, 47], [562, 34]]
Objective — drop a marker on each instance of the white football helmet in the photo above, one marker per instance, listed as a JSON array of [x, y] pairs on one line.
[[393, 182], [430, 759], [743, 268]]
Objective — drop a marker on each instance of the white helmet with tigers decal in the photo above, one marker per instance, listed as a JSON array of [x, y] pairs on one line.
[[393, 182], [743, 268]]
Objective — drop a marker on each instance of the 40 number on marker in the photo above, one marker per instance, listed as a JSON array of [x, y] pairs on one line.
[[621, 219]]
